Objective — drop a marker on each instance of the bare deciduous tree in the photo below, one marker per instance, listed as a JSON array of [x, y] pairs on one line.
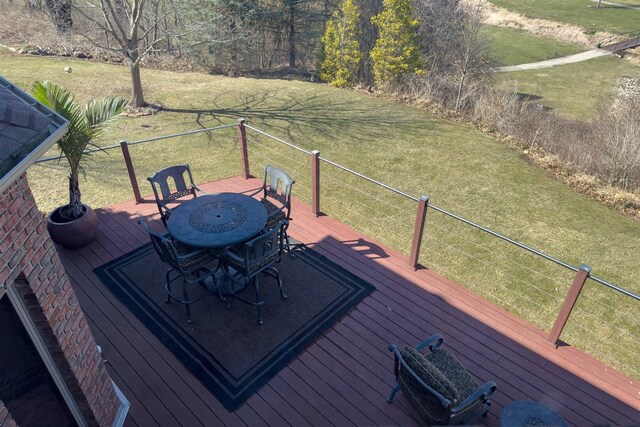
[[60, 11], [134, 33], [454, 48], [473, 48]]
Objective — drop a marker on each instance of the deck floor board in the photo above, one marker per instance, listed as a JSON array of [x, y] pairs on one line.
[[343, 377]]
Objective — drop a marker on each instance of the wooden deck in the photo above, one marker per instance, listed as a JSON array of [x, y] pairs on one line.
[[343, 377]]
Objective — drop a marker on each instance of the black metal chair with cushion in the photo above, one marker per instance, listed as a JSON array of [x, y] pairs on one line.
[[258, 256], [187, 262], [437, 386], [276, 198], [170, 193]]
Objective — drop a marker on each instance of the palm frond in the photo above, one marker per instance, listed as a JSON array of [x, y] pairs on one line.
[[62, 102], [102, 111]]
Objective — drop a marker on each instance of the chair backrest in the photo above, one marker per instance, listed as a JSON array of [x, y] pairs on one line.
[[277, 185], [170, 184], [163, 246], [264, 250], [432, 405]]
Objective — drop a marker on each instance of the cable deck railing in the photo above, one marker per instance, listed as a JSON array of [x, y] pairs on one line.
[[422, 207]]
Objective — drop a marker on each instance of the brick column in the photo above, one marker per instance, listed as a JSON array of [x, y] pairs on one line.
[[30, 264]]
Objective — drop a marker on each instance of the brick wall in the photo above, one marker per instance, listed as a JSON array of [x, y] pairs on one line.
[[30, 264]]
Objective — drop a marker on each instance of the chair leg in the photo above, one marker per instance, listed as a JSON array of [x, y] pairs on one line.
[[258, 301], [288, 244], [185, 295], [168, 282], [273, 272], [282, 294], [394, 390]]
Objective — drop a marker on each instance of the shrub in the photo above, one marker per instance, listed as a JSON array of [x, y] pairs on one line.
[[396, 52], [342, 56], [617, 145]]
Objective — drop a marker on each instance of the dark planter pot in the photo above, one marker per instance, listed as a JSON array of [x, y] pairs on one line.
[[73, 234]]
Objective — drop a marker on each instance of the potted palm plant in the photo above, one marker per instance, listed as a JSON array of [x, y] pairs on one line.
[[74, 225]]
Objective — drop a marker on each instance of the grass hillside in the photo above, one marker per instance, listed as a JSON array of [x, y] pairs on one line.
[[578, 12], [577, 90], [458, 167], [511, 46]]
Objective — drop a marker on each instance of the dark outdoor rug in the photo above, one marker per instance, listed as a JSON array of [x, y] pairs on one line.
[[225, 348]]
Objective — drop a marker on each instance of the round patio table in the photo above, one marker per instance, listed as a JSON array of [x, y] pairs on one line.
[[527, 413], [217, 220]]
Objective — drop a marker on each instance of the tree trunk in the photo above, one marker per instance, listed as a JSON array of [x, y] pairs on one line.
[[74, 209], [292, 34], [137, 96], [459, 95], [60, 11], [599, 1]]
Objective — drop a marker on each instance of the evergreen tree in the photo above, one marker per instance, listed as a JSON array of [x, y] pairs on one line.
[[396, 51], [342, 55]]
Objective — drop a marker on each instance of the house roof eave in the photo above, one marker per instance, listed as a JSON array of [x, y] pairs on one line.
[[56, 129]]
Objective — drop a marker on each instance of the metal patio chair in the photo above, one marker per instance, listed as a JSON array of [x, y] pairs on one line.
[[162, 181], [438, 387], [258, 256], [188, 263], [276, 198]]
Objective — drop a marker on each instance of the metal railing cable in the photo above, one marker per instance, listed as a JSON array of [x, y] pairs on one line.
[[495, 267], [484, 262], [255, 142], [508, 260], [89, 151], [379, 221], [366, 178], [358, 190], [601, 302], [192, 132], [532, 250], [610, 325], [459, 218], [608, 344], [381, 215], [383, 220], [485, 275], [158, 138], [270, 160], [295, 147]]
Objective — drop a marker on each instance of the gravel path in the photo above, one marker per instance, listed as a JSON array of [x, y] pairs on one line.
[[571, 59], [610, 3]]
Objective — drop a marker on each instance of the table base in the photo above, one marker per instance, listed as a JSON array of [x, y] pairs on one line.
[[225, 284]]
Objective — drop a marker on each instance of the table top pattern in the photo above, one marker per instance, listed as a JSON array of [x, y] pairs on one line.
[[528, 413], [217, 220]]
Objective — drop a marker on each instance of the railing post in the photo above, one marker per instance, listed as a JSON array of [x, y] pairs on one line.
[[315, 182], [418, 230], [581, 277], [244, 152], [132, 173]]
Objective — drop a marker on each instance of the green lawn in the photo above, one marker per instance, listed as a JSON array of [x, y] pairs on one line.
[[458, 167], [510, 46], [575, 90], [578, 12]]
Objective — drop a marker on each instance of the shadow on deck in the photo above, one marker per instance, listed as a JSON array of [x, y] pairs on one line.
[[344, 377]]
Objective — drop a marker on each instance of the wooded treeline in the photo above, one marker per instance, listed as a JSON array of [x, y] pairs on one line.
[[346, 42], [429, 51], [228, 35]]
